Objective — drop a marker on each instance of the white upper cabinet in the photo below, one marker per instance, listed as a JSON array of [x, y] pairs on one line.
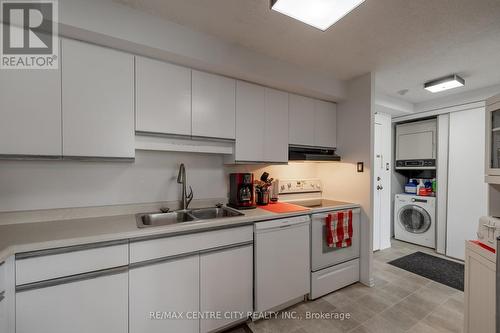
[[30, 112], [261, 124], [214, 106], [312, 122], [97, 101], [325, 128], [302, 122], [163, 97], [250, 119], [492, 163], [276, 126]]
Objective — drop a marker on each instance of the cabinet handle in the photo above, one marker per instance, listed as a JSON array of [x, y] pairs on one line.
[[72, 278], [187, 254]]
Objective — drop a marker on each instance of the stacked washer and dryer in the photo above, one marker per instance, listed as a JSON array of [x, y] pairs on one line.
[[415, 216]]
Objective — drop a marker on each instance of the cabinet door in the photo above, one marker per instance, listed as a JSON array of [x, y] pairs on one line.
[[301, 120], [30, 112], [163, 93], [465, 179], [98, 305], [226, 279], [7, 295], [325, 128], [492, 163], [250, 119], [97, 101], [168, 287], [214, 106], [479, 293], [276, 126]]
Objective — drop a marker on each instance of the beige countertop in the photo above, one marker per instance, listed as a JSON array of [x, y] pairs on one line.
[[24, 237]]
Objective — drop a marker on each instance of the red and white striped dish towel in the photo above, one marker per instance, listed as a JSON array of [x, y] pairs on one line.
[[339, 229]]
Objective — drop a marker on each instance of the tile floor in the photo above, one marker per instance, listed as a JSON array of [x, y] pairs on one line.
[[400, 302]]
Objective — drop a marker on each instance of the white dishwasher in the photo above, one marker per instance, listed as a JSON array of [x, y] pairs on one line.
[[282, 262]]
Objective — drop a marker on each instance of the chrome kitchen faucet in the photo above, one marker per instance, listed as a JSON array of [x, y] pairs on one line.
[[181, 179]]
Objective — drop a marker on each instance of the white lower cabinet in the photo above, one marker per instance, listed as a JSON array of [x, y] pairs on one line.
[[226, 287], [480, 290], [79, 304], [163, 289]]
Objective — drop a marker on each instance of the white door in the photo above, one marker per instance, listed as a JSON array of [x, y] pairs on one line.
[[97, 305], [226, 285], [97, 101], [30, 112], [163, 97], [382, 183], [302, 121], [276, 126], [250, 117], [167, 287], [467, 191], [325, 128], [214, 106]]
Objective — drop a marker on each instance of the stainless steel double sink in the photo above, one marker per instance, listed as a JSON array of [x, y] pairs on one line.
[[145, 220]]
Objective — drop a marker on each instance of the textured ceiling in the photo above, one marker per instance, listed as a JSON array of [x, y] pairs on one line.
[[406, 42]]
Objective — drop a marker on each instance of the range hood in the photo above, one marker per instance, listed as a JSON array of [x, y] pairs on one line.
[[297, 153]]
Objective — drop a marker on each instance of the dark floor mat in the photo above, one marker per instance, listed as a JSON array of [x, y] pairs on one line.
[[440, 270]]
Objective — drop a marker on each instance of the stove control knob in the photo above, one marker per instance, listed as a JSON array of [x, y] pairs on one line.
[[282, 187], [289, 185]]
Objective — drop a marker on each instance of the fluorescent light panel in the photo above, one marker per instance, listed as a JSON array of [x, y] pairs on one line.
[[445, 83], [320, 14]]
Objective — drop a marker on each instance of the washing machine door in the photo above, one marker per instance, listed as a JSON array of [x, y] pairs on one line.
[[414, 219]]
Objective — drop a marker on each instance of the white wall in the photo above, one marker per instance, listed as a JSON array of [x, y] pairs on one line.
[[29, 185], [291, 171], [33, 185], [115, 25], [354, 140]]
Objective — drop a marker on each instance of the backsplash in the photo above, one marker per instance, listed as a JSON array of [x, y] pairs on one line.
[[36, 185], [290, 171], [30, 185]]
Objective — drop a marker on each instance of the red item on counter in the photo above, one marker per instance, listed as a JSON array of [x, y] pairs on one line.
[[484, 246], [283, 207]]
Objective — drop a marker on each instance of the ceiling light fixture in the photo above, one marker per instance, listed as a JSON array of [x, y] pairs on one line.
[[444, 83], [320, 14]]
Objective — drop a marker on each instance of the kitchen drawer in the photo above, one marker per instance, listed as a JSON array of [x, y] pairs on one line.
[[333, 278], [59, 262], [178, 245]]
